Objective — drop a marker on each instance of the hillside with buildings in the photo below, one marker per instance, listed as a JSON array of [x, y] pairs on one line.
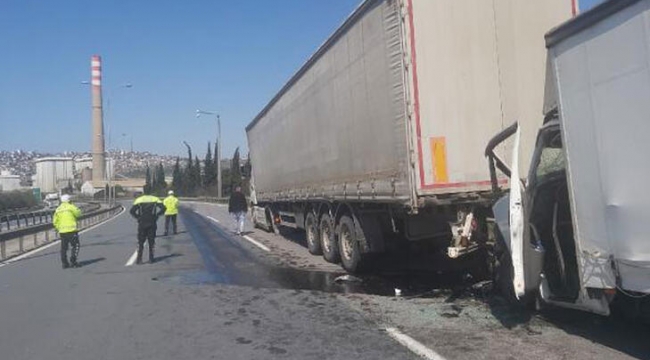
[[18, 168]]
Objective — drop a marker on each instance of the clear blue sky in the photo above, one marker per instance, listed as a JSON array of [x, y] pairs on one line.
[[228, 56]]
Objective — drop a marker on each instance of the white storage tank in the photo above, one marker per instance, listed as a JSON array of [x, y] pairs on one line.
[[54, 173]]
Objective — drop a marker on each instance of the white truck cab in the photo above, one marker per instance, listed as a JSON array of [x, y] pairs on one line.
[[574, 229]]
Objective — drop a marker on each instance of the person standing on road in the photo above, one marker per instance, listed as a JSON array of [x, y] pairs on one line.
[[65, 222], [146, 209], [238, 207], [171, 204]]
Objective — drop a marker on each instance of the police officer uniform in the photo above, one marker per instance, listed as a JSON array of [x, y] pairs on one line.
[[146, 209], [65, 222], [171, 206]]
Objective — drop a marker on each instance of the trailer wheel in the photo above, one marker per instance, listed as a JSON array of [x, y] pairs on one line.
[[349, 246], [312, 235], [328, 239]]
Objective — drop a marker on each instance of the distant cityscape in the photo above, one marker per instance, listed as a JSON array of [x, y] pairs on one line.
[[127, 164]]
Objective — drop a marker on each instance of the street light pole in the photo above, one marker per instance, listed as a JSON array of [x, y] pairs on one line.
[[218, 155]]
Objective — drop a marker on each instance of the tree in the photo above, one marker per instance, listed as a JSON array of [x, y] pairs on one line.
[[177, 177], [159, 185], [147, 177], [209, 172], [189, 177], [17, 199], [247, 171], [197, 174], [226, 179], [235, 171]]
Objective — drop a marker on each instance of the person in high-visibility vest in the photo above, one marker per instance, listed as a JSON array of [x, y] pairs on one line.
[[171, 204], [146, 209], [65, 222]]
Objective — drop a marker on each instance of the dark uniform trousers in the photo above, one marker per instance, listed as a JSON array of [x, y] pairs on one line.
[[168, 219], [71, 240], [146, 233]]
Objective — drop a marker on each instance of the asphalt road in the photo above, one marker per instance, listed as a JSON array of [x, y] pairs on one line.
[[213, 295], [209, 295]]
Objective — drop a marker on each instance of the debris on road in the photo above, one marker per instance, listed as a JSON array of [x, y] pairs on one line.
[[347, 278]]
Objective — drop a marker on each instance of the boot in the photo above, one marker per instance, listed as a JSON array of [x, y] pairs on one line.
[[138, 259]]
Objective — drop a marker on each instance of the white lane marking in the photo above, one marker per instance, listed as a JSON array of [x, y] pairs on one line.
[[256, 243], [413, 345], [132, 258], [246, 237], [37, 250]]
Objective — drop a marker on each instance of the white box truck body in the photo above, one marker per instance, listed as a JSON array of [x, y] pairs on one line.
[[577, 227]]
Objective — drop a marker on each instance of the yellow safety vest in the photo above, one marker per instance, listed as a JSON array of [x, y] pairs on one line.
[[65, 218], [146, 199], [171, 203]]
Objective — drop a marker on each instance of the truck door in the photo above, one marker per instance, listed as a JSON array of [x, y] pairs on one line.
[[516, 217], [526, 255]]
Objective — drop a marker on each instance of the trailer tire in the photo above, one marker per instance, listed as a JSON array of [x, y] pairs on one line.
[[329, 245], [351, 257], [313, 235]]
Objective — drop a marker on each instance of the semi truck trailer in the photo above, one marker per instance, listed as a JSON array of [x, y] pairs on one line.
[[377, 142], [573, 224]]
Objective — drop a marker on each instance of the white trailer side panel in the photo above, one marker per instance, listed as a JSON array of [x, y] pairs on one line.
[[478, 67], [337, 130], [603, 78]]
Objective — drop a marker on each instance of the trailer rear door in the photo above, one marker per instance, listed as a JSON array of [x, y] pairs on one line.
[[476, 67]]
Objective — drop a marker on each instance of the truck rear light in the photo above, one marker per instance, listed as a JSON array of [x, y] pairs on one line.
[[610, 292]]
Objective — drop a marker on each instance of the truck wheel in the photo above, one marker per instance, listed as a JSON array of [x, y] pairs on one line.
[[328, 239], [349, 246], [312, 234]]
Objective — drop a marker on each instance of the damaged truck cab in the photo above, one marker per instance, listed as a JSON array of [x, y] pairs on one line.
[[572, 231]]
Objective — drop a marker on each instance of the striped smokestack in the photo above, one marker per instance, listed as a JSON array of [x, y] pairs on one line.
[[99, 164]]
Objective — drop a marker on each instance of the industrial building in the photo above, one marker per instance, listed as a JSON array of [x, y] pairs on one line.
[[54, 173], [9, 182]]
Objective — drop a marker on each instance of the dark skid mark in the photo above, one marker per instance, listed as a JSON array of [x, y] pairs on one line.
[[228, 262]]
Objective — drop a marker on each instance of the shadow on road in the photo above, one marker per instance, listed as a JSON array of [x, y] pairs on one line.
[[627, 335], [90, 261], [167, 257], [172, 234]]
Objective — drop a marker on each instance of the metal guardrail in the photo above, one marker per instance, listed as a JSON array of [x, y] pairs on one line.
[[208, 199], [18, 241], [9, 222]]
